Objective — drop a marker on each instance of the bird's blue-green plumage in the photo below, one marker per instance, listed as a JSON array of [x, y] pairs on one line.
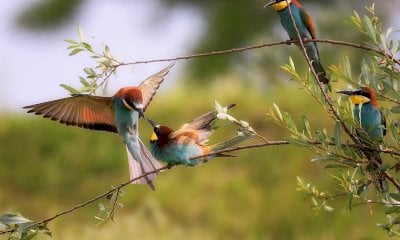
[[370, 119], [174, 153], [306, 29]]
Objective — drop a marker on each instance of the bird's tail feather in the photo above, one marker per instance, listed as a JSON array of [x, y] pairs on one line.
[[138, 167], [320, 72], [231, 142]]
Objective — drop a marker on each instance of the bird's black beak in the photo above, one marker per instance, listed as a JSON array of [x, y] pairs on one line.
[[350, 93], [269, 4], [141, 113], [152, 123]]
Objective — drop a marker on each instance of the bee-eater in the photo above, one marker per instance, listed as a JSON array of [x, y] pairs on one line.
[[367, 112], [373, 124], [305, 25], [119, 114], [189, 141]]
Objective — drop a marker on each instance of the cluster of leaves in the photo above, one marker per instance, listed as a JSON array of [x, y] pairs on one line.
[[343, 147], [22, 228], [97, 77], [107, 210]]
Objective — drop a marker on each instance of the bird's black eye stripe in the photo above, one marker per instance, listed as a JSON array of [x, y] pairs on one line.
[[130, 104], [157, 131], [365, 94]]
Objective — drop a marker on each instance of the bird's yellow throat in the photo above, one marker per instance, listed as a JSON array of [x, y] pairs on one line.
[[153, 137], [281, 5], [359, 99]]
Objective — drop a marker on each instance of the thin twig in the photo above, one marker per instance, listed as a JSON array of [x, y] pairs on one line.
[[262, 45]]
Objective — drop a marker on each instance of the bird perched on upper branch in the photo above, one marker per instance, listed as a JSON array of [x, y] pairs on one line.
[[119, 114], [305, 25], [180, 146]]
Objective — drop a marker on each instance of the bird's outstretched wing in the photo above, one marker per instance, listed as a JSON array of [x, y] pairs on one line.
[[202, 126], [308, 22], [151, 84], [82, 110]]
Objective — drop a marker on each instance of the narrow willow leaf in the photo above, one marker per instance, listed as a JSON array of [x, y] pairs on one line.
[[277, 111], [350, 201], [393, 209], [75, 51], [70, 89], [80, 34], [328, 157], [298, 142], [306, 126], [335, 166], [13, 218], [338, 134], [395, 109], [289, 121], [71, 41], [395, 196]]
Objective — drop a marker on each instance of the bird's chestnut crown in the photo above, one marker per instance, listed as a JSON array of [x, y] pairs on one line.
[[131, 98]]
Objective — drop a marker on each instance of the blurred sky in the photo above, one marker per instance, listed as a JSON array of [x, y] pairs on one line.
[[33, 64]]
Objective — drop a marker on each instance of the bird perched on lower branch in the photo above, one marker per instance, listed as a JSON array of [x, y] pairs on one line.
[[186, 143]]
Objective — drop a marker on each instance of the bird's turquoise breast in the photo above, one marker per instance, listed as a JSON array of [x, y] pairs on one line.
[[176, 154], [125, 119], [370, 119]]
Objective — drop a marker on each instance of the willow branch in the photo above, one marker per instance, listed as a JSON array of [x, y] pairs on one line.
[[263, 45]]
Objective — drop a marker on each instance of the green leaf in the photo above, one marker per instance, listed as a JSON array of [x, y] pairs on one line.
[[393, 209], [277, 111], [350, 201], [338, 134], [80, 34], [335, 166], [395, 109], [75, 51], [69, 89], [71, 41], [395, 196], [84, 82], [298, 142], [306, 126], [328, 157], [13, 218]]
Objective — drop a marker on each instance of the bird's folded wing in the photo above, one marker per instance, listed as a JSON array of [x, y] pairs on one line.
[[82, 110]]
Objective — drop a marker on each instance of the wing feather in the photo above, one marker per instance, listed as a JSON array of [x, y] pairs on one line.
[[149, 86], [308, 22], [82, 110]]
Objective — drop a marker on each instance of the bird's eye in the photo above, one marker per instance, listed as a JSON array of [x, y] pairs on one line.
[[157, 130]]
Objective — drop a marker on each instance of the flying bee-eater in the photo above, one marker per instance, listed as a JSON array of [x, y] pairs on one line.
[[189, 141], [305, 25], [119, 114]]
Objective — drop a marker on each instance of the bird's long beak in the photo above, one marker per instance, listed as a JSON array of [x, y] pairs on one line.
[[269, 4], [141, 113], [347, 92], [152, 123]]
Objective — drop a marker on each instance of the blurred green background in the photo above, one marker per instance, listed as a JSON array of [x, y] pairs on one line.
[[47, 167]]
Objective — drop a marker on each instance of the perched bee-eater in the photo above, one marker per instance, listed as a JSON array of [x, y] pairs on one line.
[[367, 112], [119, 114], [305, 25], [373, 123], [189, 141]]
